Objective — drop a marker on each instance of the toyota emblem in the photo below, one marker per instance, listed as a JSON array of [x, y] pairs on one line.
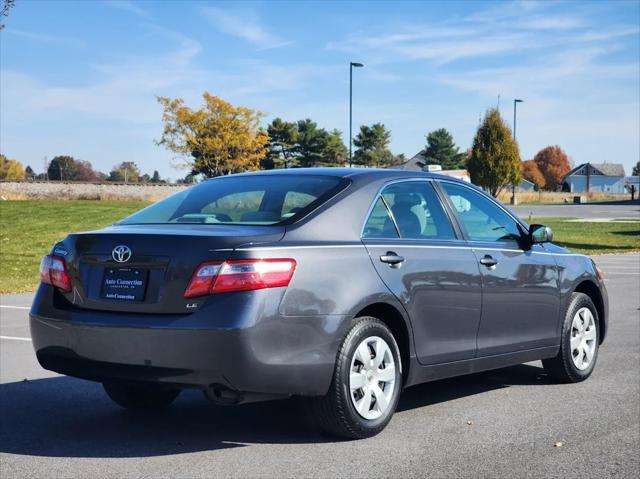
[[121, 253]]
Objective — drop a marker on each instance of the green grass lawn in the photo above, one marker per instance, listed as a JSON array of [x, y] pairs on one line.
[[29, 229], [592, 237]]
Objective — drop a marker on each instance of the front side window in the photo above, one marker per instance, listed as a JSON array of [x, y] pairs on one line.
[[250, 200], [481, 217], [416, 211]]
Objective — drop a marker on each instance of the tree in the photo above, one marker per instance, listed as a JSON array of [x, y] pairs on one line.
[[156, 177], [310, 144], [216, 139], [494, 161], [636, 169], [531, 172], [372, 146], [67, 168], [11, 169], [442, 150], [29, 173], [554, 164], [84, 171], [189, 179], [334, 153], [7, 5], [62, 168], [283, 138], [125, 172]]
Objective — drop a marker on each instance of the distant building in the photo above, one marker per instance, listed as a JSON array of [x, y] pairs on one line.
[[601, 178], [418, 163], [525, 186]]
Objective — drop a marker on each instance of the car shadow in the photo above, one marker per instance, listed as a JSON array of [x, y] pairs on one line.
[[66, 417], [436, 392]]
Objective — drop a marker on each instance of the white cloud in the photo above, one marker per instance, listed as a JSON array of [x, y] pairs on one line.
[[244, 25], [552, 23], [46, 38], [128, 6]]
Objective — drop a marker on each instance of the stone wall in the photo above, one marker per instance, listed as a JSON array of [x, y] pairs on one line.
[[59, 190]]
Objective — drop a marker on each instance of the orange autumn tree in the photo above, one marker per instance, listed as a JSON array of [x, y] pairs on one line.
[[531, 172], [216, 139], [554, 164]]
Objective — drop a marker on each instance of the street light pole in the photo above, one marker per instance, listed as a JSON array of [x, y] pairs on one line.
[[513, 183], [351, 65]]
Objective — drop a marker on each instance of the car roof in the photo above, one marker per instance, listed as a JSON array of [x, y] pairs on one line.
[[359, 173]]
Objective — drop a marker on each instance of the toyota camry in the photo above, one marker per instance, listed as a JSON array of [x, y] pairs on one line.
[[341, 285]]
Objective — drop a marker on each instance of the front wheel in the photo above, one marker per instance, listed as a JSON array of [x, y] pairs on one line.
[[579, 342], [140, 396], [366, 383]]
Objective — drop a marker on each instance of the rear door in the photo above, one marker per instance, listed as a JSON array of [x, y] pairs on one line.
[[419, 255], [521, 301]]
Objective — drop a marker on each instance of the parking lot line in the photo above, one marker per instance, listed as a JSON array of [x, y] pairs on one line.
[[8, 306], [15, 338]]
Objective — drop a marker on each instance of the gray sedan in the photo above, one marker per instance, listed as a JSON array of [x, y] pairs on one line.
[[342, 285]]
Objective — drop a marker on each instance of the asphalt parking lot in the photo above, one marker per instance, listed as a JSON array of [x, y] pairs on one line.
[[610, 210], [502, 423]]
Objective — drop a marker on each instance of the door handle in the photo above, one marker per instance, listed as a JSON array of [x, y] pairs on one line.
[[488, 261], [391, 258]]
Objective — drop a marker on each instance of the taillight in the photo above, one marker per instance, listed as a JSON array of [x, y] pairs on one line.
[[53, 271], [240, 275], [202, 280]]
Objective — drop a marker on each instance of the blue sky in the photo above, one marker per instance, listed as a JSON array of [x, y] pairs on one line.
[[80, 78]]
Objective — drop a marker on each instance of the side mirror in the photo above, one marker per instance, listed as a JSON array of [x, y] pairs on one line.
[[540, 234]]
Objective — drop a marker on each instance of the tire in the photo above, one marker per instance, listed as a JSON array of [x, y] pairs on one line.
[[578, 343], [140, 396], [336, 413]]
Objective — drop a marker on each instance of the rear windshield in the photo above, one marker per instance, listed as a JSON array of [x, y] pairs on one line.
[[246, 200]]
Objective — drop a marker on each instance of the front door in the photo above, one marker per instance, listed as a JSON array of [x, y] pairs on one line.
[[520, 294], [418, 254]]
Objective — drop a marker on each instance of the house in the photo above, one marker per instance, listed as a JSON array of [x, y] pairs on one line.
[[418, 163], [525, 186], [595, 178]]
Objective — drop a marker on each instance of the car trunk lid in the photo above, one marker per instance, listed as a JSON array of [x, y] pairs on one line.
[[146, 268]]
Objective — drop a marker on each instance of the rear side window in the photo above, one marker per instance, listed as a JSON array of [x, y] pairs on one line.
[[379, 224], [250, 200], [416, 210]]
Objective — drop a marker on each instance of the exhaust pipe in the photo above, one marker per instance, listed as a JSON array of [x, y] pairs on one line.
[[223, 395]]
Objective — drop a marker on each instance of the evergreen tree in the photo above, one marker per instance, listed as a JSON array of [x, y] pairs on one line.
[[494, 161], [442, 150], [372, 146], [283, 137]]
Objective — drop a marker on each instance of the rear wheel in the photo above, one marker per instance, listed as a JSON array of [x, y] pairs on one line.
[[579, 343], [140, 396], [366, 383]]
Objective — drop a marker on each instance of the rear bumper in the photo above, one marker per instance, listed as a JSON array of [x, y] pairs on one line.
[[263, 353]]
